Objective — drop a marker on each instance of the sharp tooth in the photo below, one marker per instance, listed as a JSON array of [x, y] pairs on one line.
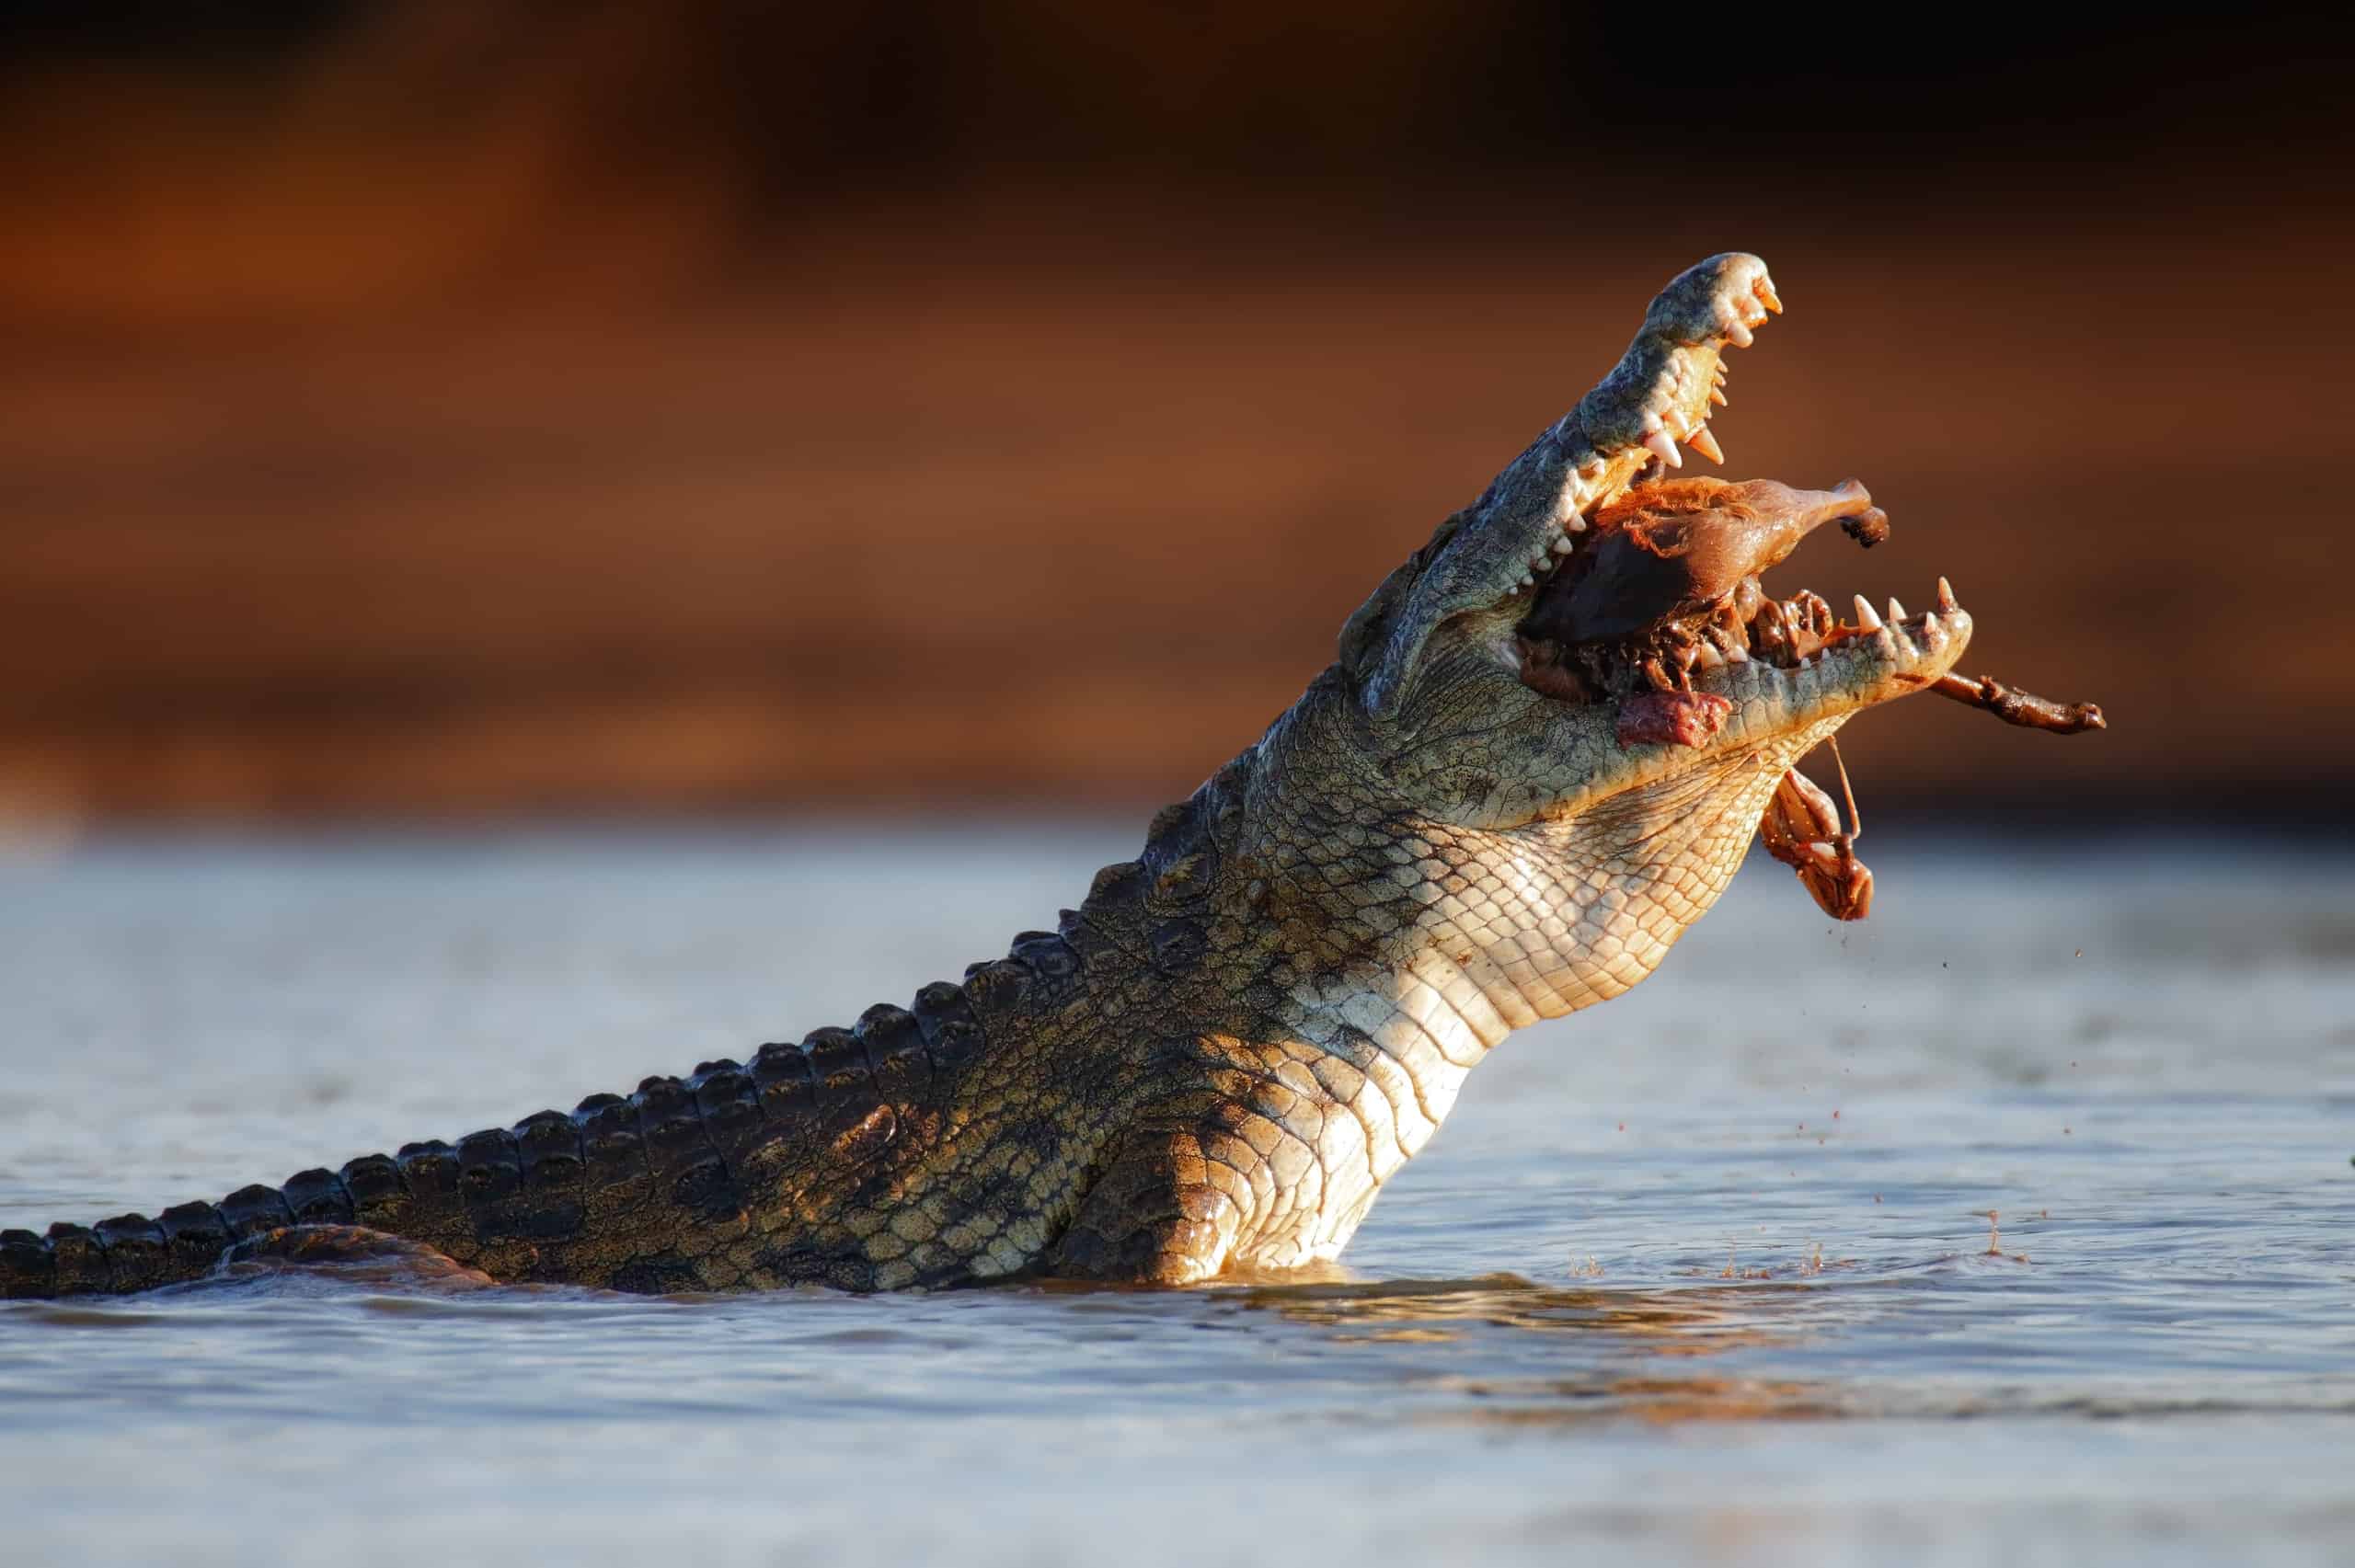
[[1738, 335], [1717, 397], [1702, 441], [1659, 444], [1765, 290], [1573, 523], [1527, 580], [1865, 616], [1708, 657], [1564, 544], [1946, 595], [1896, 610]]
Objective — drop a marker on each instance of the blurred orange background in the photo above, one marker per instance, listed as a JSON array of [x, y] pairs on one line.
[[441, 409]]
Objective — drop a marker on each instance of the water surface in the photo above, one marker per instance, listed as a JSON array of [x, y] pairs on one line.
[[1705, 1273]]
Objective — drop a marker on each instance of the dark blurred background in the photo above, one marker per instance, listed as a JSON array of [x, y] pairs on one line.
[[439, 408]]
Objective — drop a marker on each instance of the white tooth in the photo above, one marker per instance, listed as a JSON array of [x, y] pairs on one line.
[[1573, 523], [1719, 399], [1527, 581], [1659, 445], [1651, 422], [1737, 654], [1564, 544], [1946, 595], [1896, 610], [1738, 335], [1708, 657], [1865, 616]]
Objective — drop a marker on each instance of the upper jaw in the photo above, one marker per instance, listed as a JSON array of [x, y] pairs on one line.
[[1661, 390], [1530, 516]]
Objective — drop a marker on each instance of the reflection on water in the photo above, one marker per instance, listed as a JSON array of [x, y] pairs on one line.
[[1426, 1307], [1617, 1327], [1704, 1272]]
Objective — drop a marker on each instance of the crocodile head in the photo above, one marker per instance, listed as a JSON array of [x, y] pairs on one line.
[[1558, 780]]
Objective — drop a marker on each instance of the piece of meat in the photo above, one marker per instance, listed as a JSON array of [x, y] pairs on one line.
[[1669, 549]]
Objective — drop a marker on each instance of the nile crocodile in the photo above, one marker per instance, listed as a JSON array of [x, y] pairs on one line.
[[1503, 801]]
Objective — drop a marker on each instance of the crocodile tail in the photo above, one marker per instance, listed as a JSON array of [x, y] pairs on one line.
[[415, 1195], [605, 1196], [129, 1252], [625, 1191], [133, 1252]]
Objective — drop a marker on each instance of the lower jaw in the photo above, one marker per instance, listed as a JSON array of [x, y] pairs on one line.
[[1856, 669]]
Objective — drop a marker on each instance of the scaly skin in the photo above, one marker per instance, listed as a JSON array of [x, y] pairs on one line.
[[1216, 1061]]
